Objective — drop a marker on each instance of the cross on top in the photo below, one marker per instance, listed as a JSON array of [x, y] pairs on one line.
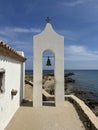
[[48, 20]]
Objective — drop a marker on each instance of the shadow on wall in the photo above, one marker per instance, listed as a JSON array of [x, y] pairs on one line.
[[27, 103]]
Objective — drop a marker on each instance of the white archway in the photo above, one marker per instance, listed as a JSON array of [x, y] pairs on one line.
[[48, 40], [48, 76]]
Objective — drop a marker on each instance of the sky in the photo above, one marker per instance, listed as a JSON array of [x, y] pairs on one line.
[[76, 20]]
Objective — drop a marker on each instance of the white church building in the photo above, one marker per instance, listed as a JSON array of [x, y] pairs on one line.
[[12, 72]]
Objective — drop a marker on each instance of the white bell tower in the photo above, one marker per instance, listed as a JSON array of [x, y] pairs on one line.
[[48, 39]]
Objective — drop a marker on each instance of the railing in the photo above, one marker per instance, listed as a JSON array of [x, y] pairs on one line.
[[88, 118]]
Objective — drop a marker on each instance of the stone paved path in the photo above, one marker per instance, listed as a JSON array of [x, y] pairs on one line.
[[46, 118]]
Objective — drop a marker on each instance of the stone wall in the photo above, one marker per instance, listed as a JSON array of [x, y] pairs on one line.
[[88, 118]]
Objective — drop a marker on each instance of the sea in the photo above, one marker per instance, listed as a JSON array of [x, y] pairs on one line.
[[86, 80]]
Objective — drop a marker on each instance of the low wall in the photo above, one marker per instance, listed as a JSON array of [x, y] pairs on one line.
[[88, 118]]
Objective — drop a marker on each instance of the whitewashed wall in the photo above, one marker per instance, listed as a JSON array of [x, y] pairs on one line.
[[13, 80], [48, 40]]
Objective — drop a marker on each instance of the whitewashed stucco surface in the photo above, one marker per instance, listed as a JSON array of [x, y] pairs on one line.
[[51, 41], [13, 80]]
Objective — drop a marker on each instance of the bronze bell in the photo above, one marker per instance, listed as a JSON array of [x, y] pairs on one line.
[[48, 62]]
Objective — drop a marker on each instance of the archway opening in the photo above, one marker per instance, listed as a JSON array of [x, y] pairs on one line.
[[48, 78]]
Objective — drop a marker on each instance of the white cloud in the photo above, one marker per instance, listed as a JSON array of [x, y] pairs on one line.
[[12, 34], [75, 49], [74, 3], [26, 30], [69, 34], [7, 30], [79, 53]]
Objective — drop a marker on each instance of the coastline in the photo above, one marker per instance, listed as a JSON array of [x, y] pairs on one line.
[[87, 96]]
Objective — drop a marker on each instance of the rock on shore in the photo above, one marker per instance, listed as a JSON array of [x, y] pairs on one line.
[[48, 84]]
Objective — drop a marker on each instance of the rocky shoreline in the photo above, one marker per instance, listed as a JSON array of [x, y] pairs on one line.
[[86, 96], [69, 86]]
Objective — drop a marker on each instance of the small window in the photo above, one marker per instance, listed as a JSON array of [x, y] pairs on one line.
[[2, 80]]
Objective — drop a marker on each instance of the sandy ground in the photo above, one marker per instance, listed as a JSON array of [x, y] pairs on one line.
[[45, 118]]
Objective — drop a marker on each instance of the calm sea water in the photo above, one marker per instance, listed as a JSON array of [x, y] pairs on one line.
[[86, 80]]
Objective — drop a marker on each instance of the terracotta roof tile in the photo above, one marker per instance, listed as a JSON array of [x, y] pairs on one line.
[[15, 54]]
